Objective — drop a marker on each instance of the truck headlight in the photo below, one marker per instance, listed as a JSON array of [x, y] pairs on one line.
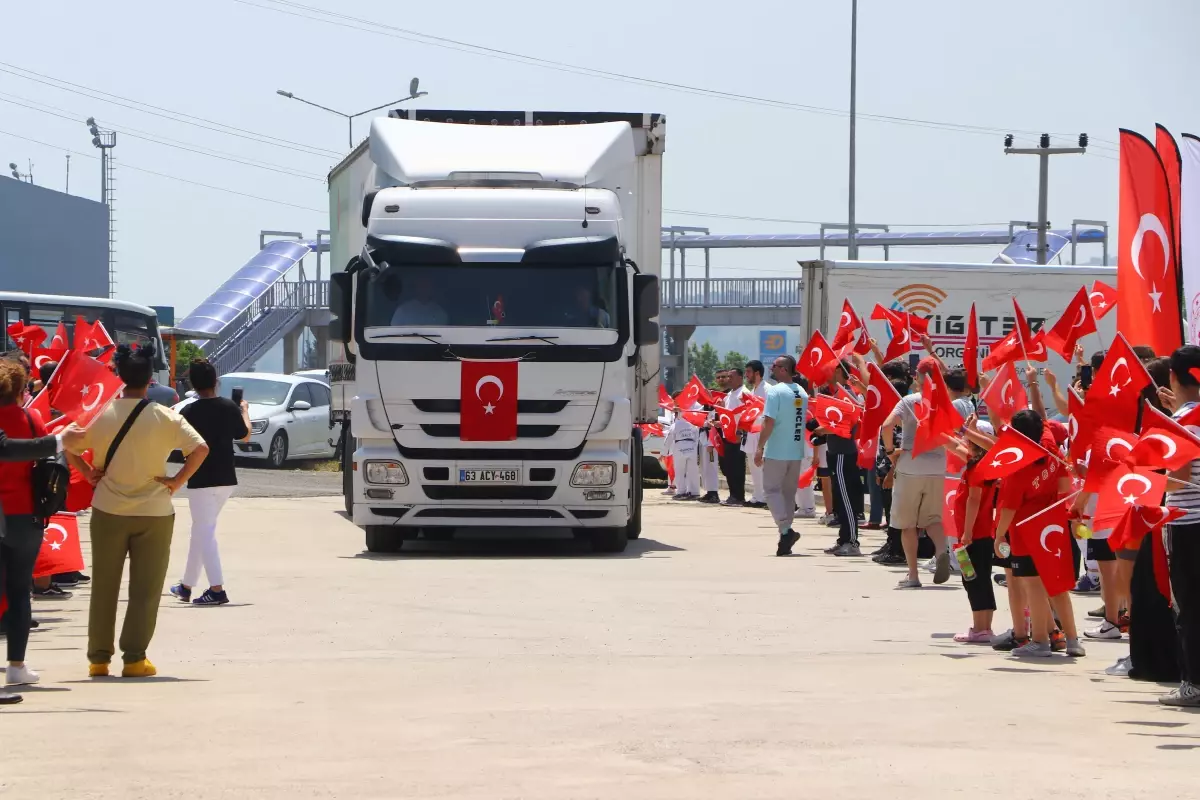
[[593, 474], [386, 472], [258, 426]]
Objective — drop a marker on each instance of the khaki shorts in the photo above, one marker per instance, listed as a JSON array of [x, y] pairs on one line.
[[917, 501]]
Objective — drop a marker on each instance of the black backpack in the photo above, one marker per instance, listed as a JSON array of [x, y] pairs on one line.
[[51, 479]]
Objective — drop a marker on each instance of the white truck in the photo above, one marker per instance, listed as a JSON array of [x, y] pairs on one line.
[[479, 250], [944, 292]]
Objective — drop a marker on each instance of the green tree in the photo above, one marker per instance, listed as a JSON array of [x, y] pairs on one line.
[[734, 359], [704, 362], [185, 354]]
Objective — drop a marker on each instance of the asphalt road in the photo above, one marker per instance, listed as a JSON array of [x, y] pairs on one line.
[[694, 665], [255, 480]]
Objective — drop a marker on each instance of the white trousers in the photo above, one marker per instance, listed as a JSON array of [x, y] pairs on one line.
[[205, 506], [687, 476], [756, 473], [710, 477]]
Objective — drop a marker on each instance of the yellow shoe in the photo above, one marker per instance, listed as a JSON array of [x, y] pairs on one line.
[[139, 669], [97, 670]]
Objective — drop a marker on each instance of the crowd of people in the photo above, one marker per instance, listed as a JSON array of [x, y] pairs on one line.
[[122, 455], [942, 505]]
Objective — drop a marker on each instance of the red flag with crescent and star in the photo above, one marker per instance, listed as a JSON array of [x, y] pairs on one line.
[[833, 414], [939, 418], [848, 323], [879, 401], [1075, 323], [664, 398], [82, 387], [1050, 546], [1126, 487], [693, 392], [1111, 449], [1005, 395], [817, 360], [59, 339], [1116, 388], [1012, 451], [1006, 350], [749, 413], [1147, 269], [488, 401], [1164, 443], [1103, 299], [46, 355], [727, 422], [26, 337], [60, 551]]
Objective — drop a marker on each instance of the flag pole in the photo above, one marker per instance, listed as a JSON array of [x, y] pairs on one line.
[[1055, 504]]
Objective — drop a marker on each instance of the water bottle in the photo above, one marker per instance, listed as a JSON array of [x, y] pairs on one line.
[[1004, 549], [964, 563]]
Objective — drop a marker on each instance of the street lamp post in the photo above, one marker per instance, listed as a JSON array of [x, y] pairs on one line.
[[105, 140], [413, 93], [21, 176], [851, 232]]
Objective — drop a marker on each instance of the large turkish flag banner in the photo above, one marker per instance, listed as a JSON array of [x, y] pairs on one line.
[[488, 401], [1147, 272]]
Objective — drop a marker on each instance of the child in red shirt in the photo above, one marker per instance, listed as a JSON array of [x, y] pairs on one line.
[[974, 503], [1024, 494]]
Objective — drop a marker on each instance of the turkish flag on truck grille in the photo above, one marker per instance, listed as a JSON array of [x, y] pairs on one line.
[[488, 401]]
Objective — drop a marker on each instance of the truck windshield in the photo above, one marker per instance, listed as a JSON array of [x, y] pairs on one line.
[[501, 294]]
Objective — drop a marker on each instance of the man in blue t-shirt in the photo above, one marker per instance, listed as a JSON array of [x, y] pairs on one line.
[[781, 449]]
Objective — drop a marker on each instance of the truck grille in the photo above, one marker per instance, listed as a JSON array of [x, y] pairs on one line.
[[490, 513], [523, 406], [489, 492], [523, 431]]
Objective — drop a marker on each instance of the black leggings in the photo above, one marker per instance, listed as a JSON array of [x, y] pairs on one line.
[[1185, 582], [980, 592], [18, 552]]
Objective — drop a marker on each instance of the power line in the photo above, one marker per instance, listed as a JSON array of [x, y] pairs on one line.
[[382, 29], [166, 113], [176, 178], [149, 137]]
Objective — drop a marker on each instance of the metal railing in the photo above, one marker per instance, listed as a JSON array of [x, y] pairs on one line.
[[732, 292], [264, 320]]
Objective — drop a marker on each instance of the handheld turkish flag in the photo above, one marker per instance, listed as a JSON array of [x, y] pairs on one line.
[[817, 361], [714, 441], [806, 477], [900, 319], [1023, 331], [59, 339], [1012, 451], [1005, 395], [727, 422], [1117, 386], [1103, 299], [971, 351], [1050, 546], [60, 551], [39, 407], [880, 400], [1164, 443], [488, 401], [26, 337], [863, 345], [1138, 522], [900, 344], [1127, 487], [1006, 350], [697, 418], [750, 413], [1078, 427], [868, 448], [718, 398], [940, 419], [1111, 449], [951, 524], [1147, 280], [694, 392], [848, 323], [82, 387], [833, 414], [664, 398], [1075, 323], [47, 355]]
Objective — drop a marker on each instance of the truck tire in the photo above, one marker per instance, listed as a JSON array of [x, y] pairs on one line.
[[609, 540], [634, 528], [347, 448], [384, 539]]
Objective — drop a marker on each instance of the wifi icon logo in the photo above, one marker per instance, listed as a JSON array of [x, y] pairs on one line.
[[919, 298]]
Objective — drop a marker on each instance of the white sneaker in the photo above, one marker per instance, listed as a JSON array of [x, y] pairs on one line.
[[1121, 668], [21, 676], [930, 565], [810, 513], [1106, 630]]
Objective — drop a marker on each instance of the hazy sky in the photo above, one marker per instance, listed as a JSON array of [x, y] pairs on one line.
[[1021, 66]]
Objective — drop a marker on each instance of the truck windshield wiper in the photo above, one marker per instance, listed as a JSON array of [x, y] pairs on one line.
[[546, 339], [429, 337]]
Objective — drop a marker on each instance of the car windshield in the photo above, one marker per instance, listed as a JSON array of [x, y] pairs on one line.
[[499, 294], [256, 390]]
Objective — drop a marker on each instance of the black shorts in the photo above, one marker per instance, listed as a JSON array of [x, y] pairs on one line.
[[1024, 567], [1003, 563], [1098, 550], [822, 472]]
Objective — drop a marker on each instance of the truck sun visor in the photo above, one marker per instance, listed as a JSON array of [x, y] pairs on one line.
[[398, 250], [580, 250]]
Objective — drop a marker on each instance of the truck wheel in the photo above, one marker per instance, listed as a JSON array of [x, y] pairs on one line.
[[384, 539], [609, 540], [347, 448], [634, 528]]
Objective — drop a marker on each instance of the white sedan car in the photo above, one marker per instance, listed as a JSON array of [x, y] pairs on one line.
[[289, 416]]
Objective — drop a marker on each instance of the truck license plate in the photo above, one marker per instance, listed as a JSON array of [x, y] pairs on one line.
[[486, 475]]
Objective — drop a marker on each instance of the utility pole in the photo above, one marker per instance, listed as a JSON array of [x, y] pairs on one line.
[[67, 188], [851, 233], [1043, 151]]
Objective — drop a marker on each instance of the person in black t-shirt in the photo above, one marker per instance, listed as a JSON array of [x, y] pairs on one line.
[[221, 422]]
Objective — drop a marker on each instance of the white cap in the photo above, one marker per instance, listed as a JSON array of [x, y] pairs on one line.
[[983, 426]]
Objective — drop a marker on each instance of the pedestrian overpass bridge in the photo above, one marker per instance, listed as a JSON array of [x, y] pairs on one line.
[[273, 299]]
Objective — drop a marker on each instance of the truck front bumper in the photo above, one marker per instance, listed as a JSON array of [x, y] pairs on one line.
[[542, 496]]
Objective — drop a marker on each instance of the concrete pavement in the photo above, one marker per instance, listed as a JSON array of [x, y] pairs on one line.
[[695, 665]]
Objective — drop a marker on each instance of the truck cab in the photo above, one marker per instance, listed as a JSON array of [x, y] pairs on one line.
[[500, 320]]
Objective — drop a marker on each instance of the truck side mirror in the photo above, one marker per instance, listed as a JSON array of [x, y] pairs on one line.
[[645, 309], [340, 294]]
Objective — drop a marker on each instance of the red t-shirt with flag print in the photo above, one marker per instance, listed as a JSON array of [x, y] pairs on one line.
[[985, 522], [1029, 490]]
